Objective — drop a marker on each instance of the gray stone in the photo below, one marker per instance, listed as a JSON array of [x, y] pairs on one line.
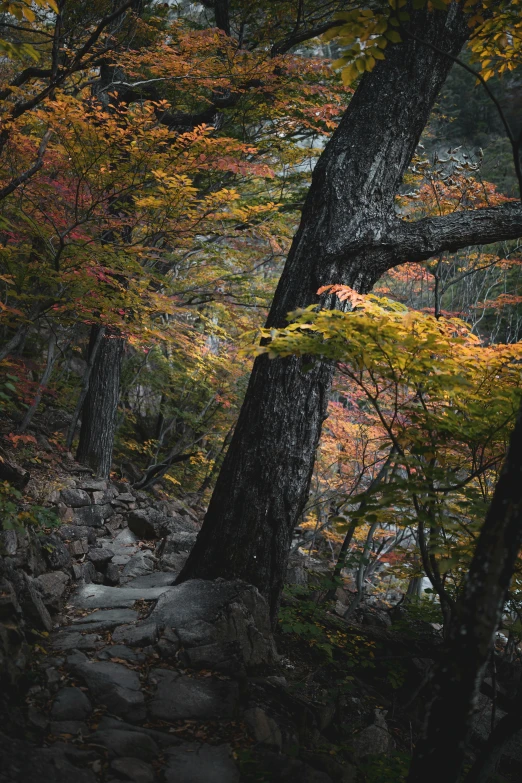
[[180, 697], [161, 738], [8, 542], [195, 763], [374, 739], [174, 549], [136, 636], [71, 704], [156, 579], [78, 547], [112, 575], [70, 533], [55, 553], [115, 686], [100, 558], [264, 728], [74, 640], [126, 497], [139, 564], [105, 619], [34, 609], [94, 485], [92, 516], [120, 651], [68, 727], [54, 587], [133, 769], [125, 538], [148, 523], [90, 574], [75, 497], [104, 597], [222, 625], [126, 743], [21, 762]]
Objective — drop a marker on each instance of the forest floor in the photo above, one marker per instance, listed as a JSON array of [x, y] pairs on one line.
[[130, 677]]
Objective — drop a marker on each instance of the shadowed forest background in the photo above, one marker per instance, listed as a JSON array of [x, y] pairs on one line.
[[261, 313]]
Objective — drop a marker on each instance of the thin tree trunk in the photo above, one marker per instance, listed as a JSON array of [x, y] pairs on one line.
[[51, 358], [85, 385], [15, 341], [440, 751], [101, 404], [349, 234]]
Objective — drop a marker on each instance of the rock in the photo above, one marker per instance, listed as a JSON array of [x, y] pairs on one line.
[[112, 575], [124, 539], [56, 554], [75, 497], [58, 727], [17, 476], [100, 558], [21, 762], [33, 607], [222, 625], [115, 686], [126, 743], [71, 704], [105, 619], [8, 542], [136, 636], [139, 564], [115, 522], [54, 587], [93, 516], [180, 697], [174, 550], [79, 547], [148, 523], [264, 728], [89, 574], [94, 485], [374, 739], [103, 597], [133, 769], [126, 497], [156, 579], [73, 640], [195, 763], [120, 651], [278, 768]]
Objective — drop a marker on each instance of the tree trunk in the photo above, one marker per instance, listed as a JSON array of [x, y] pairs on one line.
[[101, 404], [349, 234], [440, 752]]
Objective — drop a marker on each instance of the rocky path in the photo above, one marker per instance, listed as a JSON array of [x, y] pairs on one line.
[[140, 680]]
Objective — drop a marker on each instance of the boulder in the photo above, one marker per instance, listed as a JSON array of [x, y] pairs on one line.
[[133, 744], [113, 685], [71, 704], [100, 558], [55, 553], [54, 587], [180, 697], [139, 564], [75, 498], [174, 549], [92, 516], [148, 523], [221, 625], [264, 729], [194, 762], [33, 607], [134, 770], [374, 739], [94, 485], [136, 636], [94, 596]]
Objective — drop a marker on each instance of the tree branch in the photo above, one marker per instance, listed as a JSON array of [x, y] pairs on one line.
[[37, 165], [425, 238]]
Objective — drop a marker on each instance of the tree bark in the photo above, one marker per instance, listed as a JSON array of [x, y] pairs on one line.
[[101, 404], [349, 234], [440, 752]]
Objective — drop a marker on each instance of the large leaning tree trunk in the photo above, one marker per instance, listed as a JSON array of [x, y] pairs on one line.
[[101, 403], [440, 752], [349, 234]]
